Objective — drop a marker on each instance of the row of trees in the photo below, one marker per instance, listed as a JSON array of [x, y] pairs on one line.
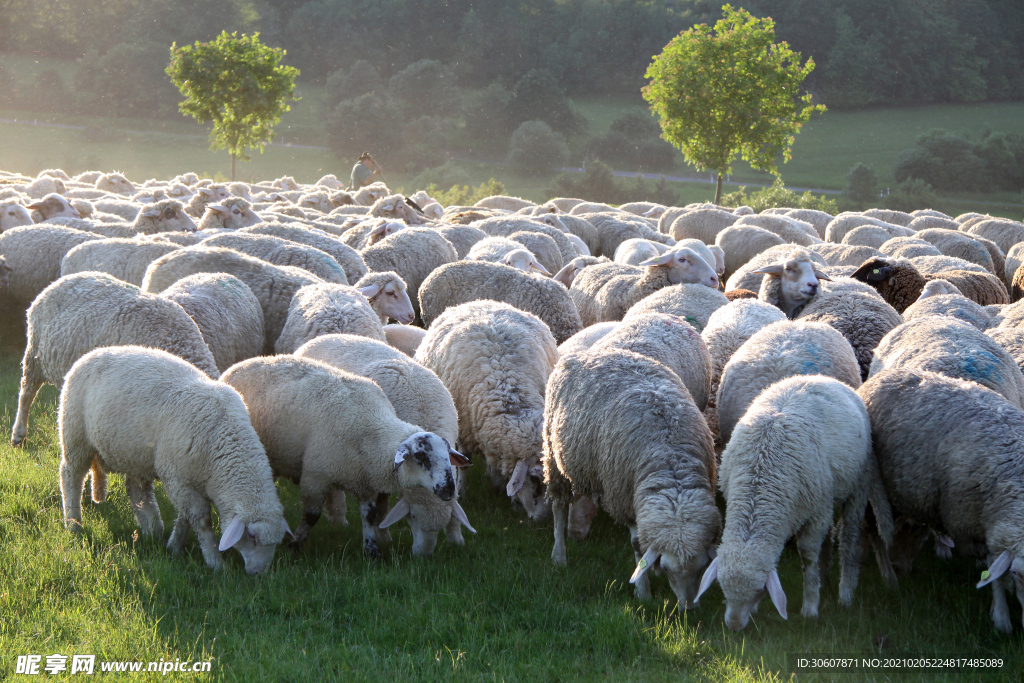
[[866, 51]]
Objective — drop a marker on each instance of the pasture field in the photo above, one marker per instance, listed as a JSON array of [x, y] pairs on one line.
[[494, 610]]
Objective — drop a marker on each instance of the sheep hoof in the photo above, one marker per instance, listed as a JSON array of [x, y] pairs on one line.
[[74, 526], [809, 612]]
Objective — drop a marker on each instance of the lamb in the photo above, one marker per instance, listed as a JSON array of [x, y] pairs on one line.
[[506, 251], [414, 254], [941, 298], [586, 338], [802, 449], [953, 348], [611, 300], [204, 196], [949, 454], [347, 257], [778, 351], [621, 429], [395, 206], [741, 243], [466, 281], [13, 215], [792, 282], [125, 259], [272, 285], [495, 360], [405, 338], [324, 308], [199, 460], [227, 313], [348, 439], [693, 302], [35, 255], [81, 312], [231, 214], [418, 397], [115, 183], [281, 252]]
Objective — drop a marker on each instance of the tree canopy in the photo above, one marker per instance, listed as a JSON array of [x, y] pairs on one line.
[[730, 90], [237, 83]]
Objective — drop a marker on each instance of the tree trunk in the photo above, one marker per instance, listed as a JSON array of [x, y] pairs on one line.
[[718, 186], [233, 170]]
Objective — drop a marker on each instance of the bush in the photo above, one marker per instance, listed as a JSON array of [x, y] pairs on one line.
[[47, 93], [537, 95], [463, 195], [633, 142], [777, 195], [598, 183], [910, 195], [535, 148], [861, 185], [487, 120], [424, 87], [945, 161], [130, 79], [367, 122]]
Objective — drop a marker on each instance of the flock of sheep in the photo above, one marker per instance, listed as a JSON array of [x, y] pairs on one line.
[[216, 337]]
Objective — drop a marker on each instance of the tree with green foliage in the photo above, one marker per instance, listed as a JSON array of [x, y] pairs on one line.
[[777, 195], [730, 90], [861, 184], [237, 83]]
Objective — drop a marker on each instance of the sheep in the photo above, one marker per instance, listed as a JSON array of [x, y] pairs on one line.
[[507, 226], [368, 195], [941, 298], [54, 206], [462, 237], [953, 243], [281, 252], [668, 339], [1014, 258], [203, 448], [495, 360], [115, 183], [125, 259], [801, 450], [227, 313], [1003, 232], [418, 397], [927, 221], [40, 187], [574, 267], [1011, 339], [405, 338], [948, 451], [635, 250], [703, 224], [694, 303], [368, 232], [611, 300], [844, 255], [741, 243], [862, 318], [900, 218], [590, 207], [81, 312], [789, 229], [348, 439], [13, 215], [837, 228], [818, 220], [543, 249], [953, 348], [614, 227], [504, 202], [747, 277], [777, 351], [506, 251], [320, 309], [983, 288], [395, 206], [565, 204], [935, 264], [867, 235], [213, 194], [586, 338], [53, 173], [272, 285], [582, 229], [317, 201], [621, 429], [897, 280], [231, 214], [387, 295], [347, 257], [414, 254], [792, 282], [35, 255], [908, 247]]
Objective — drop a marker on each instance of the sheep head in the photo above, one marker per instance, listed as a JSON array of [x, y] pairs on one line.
[[164, 216], [522, 259], [13, 215], [684, 265], [425, 460], [256, 541], [52, 206], [937, 287], [388, 296], [744, 583], [234, 213], [798, 277]]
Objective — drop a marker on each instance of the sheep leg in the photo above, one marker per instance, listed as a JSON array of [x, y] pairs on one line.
[[335, 507], [808, 544], [195, 507], [849, 548], [1000, 610], [560, 512], [882, 560], [368, 513], [73, 467], [498, 480], [179, 535], [31, 381], [143, 503], [643, 585], [314, 495], [581, 515], [383, 505], [453, 532]]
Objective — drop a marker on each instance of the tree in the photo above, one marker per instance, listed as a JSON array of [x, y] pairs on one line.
[[239, 84], [861, 184], [730, 90], [534, 147]]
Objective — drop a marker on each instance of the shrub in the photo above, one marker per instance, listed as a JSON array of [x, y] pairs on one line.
[[537, 95], [598, 183], [535, 148], [367, 122], [945, 161], [861, 184], [777, 195], [910, 195], [633, 142], [129, 79], [463, 195], [424, 87]]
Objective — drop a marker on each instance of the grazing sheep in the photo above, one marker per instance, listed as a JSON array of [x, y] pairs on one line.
[[777, 351], [396, 207], [900, 218], [347, 257], [414, 254], [348, 439], [367, 233], [693, 302], [819, 220], [231, 214], [802, 449], [495, 360], [227, 313], [984, 289], [1003, 232], [41, 187], [702, 224], [418, 397], [621, 430], [734, 294], [583, 230], [896, 279], [573, 268], [943, 299], [405, 338], [368, 195], [272, 285], [507, 252], [867, 235], [908, 247], [203, 448], [125, 259], [13, 215], [466, 281], [615, 227], [34, 254], [1011, 339], [506, 226], [937, 264], [789, 229], [953, 348], [953, 243], [1014, 258], [732, 325], [281, 252], [504, 203], [837, 228], [462, 237], [323, 308], [85, 311], [543, 249], [949, 453]]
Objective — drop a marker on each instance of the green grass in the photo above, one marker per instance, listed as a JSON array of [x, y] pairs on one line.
[[495, 609]]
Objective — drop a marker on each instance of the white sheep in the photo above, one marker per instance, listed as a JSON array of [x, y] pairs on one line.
[[125, 259], [414, 254], [507, 252], [85, 311], [54, 206], [405, 338], [204, 196], [586, 338], [13, 215], [792, 282], [348, 439], [203, 448], [282, 252], [115, 183], [635, 250], [231, 214], [802, 449], [35, 255], [504, 203], [694, 303], [349, 259], [323, 308]]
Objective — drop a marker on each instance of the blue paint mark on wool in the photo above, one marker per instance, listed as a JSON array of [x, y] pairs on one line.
[[978, 364]]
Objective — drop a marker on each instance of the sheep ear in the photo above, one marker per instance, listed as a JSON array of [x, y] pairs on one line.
[[379, 230], [996, 569], [232, 534], [151, 213], [710, 576], [775, 269], [388, 207], [458, 459], [400, 455], [776, 593], [34, 206], [821, 276], [370, 291], [396, 513], [518, 479], [207, 191], [645, 563], [287, 529], [945, 540], [460, 514], [540, 269], [658, 260], [219, 208]]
